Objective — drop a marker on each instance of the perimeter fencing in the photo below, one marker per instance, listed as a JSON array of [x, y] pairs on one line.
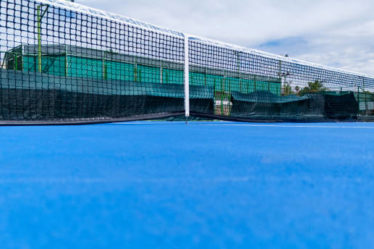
[[66, 63]]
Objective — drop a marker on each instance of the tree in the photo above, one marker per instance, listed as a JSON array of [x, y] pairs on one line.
[[287, 90], [313, 87]]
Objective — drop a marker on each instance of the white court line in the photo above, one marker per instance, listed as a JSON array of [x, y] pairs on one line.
[[176, 180], [298, 126], [249, 125]]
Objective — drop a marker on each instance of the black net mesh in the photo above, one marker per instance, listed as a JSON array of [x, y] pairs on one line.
[[252, 85], [63, 62]]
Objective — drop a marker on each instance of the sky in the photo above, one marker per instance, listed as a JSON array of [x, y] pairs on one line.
[[338, 33]]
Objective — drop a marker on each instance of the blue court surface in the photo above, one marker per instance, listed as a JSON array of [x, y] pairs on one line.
[[201, 185]]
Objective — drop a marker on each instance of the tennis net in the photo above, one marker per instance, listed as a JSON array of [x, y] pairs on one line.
[[62, 62]]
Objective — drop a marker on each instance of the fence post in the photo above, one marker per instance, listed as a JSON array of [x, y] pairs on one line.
[[161, 73], [66, 61], [358, 98], [186, 78], [365, 96]]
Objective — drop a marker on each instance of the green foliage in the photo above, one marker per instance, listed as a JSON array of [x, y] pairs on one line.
[[313, 87], [287, 90]]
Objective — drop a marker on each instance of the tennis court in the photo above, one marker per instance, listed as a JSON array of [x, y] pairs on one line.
[[201, 185], [80, 183]]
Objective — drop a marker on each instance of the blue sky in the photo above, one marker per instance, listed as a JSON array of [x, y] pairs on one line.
[[337, 33]]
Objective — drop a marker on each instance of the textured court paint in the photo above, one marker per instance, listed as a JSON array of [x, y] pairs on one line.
[[204, 185]]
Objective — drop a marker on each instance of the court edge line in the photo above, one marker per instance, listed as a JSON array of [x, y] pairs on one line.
[[233, 179], [245, 125]]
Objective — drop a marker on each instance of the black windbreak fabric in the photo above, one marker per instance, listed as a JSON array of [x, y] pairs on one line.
[[311, 107], [341, 107], [46, 97], [266, 105]]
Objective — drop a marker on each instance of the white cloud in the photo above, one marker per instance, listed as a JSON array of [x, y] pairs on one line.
[[334, 32]]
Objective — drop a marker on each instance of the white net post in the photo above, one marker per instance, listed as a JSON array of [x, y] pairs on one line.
[[186, 77]]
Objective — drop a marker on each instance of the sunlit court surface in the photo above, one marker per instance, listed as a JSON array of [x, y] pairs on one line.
[[195, 185]]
